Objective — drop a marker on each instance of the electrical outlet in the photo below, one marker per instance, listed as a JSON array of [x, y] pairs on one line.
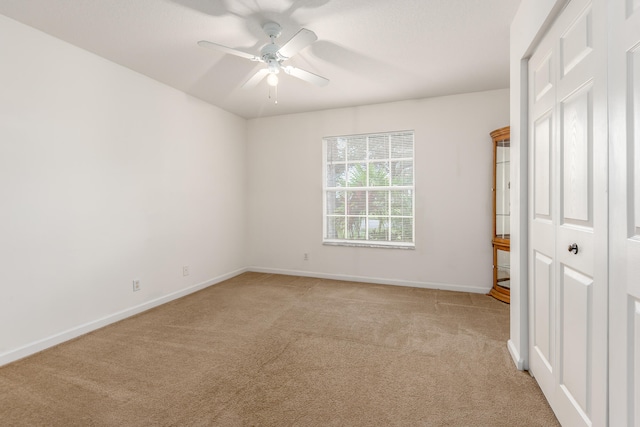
[[136, 285], [185, 270], [306, 256]]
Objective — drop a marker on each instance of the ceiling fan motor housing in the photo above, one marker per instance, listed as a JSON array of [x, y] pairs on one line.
[[269, 55], [272, 29]]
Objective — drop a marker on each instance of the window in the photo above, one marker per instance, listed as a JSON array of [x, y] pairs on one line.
[[369, 189]]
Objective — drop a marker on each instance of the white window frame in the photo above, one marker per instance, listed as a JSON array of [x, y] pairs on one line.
[[368, 188]]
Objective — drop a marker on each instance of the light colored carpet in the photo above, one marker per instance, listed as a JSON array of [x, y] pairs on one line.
[[270, 350]]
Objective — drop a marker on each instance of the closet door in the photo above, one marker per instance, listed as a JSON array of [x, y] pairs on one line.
[[624, 131], [568, 215]]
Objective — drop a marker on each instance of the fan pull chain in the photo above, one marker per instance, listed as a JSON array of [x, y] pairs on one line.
[[275, 88]]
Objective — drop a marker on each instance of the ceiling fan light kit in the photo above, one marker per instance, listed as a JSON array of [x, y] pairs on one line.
[[273, 56], [272, 79]]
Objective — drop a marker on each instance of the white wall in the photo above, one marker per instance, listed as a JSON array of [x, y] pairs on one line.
[[106, 176], [453, 192]]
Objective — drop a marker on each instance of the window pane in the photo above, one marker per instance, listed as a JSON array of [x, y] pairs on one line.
[[357, 149], [378, 203], [335, 202], [335, 227], [379, 174], [402, 145], [379, 147], [356, 202], [357, 175], [336, 149], [402, 202], [336, 175], [402, 229], [402, 172], [356, 228], [378, 228]]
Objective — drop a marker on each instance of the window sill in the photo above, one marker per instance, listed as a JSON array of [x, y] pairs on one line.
[[410, 246]]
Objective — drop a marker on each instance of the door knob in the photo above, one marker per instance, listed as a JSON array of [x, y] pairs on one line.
[[573, 248]]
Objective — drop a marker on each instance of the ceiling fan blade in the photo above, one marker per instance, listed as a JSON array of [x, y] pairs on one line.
[[299, 41], [306, 76], [220, 48], [256, 78]]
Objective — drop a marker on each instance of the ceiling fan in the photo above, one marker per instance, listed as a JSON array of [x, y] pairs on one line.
[[273, 56]]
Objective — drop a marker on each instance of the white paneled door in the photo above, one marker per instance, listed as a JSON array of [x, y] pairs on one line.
[[568, 214], [624, 133]]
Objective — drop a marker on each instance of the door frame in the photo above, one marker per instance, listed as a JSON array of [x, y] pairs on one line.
[[533, 19]]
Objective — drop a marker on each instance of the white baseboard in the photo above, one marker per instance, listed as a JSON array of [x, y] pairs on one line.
[[515, 355], [375, 280], [43, 344]]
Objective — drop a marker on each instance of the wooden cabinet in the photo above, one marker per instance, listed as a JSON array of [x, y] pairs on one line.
[[501, 214]]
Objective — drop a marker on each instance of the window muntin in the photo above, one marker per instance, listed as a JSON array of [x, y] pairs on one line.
[[369, 189]]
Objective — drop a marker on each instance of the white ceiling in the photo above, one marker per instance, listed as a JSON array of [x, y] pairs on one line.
[[372, 51]]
